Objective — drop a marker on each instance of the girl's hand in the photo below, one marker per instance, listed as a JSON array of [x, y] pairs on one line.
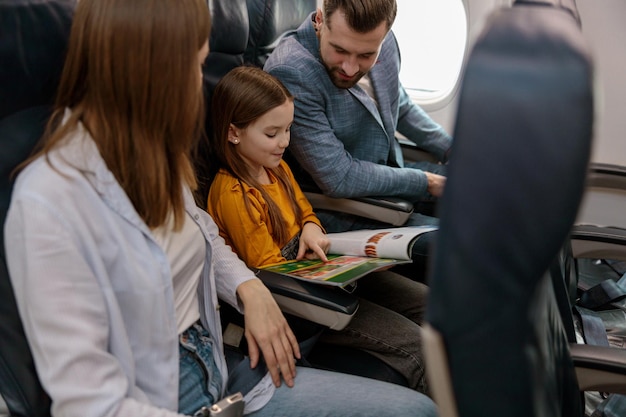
[[268, 332], [313, 243]]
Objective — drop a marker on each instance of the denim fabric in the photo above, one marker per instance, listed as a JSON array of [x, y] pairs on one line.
[[328, 394], [387, 324], [290, 250], [200, 380]]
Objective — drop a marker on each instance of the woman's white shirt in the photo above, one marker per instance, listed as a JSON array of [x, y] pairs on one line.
[[94, 288], [185, 249]]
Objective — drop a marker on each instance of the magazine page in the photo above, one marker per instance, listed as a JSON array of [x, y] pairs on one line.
[[394, 242], [339, 270]]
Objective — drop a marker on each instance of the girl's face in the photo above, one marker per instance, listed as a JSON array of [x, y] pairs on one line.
[[263, 142]]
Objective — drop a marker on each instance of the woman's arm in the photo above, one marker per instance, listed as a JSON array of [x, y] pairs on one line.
[[267, 332]]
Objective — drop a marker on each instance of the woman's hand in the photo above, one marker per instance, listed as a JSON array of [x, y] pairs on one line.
[[267, 331], [313, 243]]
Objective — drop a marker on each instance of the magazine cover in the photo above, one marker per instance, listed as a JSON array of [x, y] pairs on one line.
[[394, 243]]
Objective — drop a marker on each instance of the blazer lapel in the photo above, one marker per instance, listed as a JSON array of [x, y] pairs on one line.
[[362, 96], [377, 78]]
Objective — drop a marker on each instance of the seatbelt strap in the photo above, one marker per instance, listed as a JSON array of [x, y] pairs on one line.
[[614, 406], [594, 331], [604, 293], [242, 378]]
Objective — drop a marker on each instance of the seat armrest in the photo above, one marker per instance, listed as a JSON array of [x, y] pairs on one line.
[[391, 210], [4, 410], [607, 176], [590, 241], [438, 370], [600, 368], [605, 195], [331, 307], [412, 152]]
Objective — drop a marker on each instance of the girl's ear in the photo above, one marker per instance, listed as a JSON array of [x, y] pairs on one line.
[[233, 134]]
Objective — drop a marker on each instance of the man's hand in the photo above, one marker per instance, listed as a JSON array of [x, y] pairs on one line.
[[436, 183], [268, 332]]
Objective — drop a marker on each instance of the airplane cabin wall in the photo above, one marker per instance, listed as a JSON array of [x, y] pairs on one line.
[[603, 24], [478, 11]]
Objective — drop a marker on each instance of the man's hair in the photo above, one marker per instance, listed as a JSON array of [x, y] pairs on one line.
[[132, 74], [362, 15], [240, 98]]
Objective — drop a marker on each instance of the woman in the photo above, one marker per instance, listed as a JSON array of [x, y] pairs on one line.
[[116, 272], [264, 216]]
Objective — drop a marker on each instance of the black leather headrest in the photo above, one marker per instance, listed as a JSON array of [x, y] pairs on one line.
[[33, 42], [229, 26], [228, 40], [269, 21]]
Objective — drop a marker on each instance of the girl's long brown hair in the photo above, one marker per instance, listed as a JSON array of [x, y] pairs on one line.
[[132, 77], [241, 97]]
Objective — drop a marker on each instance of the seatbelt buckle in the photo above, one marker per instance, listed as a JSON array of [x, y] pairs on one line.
[[231, 406]]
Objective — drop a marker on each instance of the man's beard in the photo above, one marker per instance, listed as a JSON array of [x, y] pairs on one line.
[[341, 82]]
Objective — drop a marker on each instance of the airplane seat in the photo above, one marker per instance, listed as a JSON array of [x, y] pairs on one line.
[[264, 22], [228, 39], [595, 346], [270, 21], [227, 45], [522, 144], [37, 33]]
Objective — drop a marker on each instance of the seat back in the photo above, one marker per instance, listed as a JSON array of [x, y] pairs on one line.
[[270, 21], [244, 32], [228, 40], [32, 47], [522, 143], [227, 45]]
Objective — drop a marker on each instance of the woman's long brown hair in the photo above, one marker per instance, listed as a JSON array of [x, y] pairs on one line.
[[241, 97], [132, 77]]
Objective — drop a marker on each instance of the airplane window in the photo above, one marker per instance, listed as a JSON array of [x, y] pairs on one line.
[[432, 37]]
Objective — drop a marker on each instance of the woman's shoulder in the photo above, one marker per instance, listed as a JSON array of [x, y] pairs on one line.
[[48, 177], [37, 178]]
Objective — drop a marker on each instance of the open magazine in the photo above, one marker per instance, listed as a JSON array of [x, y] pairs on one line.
[[354, 254]]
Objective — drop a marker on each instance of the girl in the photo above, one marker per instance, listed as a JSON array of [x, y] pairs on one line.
[[116, 272], [264, 216]]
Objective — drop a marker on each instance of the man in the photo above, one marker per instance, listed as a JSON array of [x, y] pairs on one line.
[[342, 67]]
